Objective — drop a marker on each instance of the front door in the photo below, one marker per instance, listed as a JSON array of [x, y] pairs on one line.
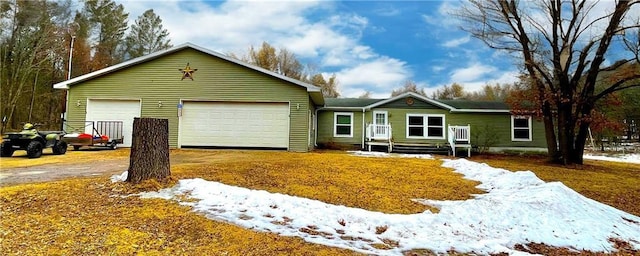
[[380, 123]]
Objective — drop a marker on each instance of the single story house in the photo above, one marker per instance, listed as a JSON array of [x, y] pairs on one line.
[[213, 100], [412, 121]]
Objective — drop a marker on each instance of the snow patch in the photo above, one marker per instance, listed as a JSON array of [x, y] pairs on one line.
[[625, 158], [383, 154], [518, 208], [120, 177]]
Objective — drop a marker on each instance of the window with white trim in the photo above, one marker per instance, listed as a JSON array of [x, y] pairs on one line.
[[420, 126], [343, 124], [521, 128]]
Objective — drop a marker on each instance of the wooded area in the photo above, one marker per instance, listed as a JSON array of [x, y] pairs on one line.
[[36, 41]]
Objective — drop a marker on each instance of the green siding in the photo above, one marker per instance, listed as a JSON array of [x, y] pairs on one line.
[[325, 128], [497, 124], [215, 80]]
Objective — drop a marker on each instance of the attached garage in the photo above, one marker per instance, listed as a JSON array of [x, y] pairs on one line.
[[208, 98], [234, 124], [114, 110]]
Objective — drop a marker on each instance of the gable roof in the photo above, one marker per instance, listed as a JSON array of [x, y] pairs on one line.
[[413, 95], [451, 105], [315, 92]]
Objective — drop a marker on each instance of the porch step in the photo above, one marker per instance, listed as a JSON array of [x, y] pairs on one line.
[[420, 149]]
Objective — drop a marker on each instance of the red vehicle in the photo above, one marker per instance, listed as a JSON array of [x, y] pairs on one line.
[[100, 133]]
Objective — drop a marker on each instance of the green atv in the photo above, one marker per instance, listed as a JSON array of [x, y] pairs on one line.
[[33, 141]]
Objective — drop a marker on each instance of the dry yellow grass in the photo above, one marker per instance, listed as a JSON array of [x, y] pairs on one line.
[[376, 184], [82, 216]]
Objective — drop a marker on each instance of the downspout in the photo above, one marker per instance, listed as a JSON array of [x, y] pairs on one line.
[[315, 128], [364, 129]]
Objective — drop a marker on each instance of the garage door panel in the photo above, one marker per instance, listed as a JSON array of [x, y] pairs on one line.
[[114, 110], [226, 124]]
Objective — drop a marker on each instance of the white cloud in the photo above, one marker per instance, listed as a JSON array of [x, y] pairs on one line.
[[456, 42], [471, 73], [475, 76], [443, 19], [379, 75], [437, 69]]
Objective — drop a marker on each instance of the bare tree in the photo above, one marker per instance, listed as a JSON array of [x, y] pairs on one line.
[[329, 87], [31, 52], [365, 95], [455, 91], [409, 86], [284, 62], [562, 45]]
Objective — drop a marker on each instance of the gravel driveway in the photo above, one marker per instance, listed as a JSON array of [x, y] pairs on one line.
[[59, 171], [92, 163]]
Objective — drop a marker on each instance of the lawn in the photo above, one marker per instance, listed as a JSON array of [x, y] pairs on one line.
[[85, 216]]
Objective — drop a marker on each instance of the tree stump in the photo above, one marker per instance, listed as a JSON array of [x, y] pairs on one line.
[[149, 157]]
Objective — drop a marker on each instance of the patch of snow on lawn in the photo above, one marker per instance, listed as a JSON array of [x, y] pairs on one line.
[[119, 177], [383, 154], [518, 208], [625, 158]]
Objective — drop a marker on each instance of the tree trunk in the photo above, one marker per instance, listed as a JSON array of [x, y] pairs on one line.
[[149, 150], [550, 132]]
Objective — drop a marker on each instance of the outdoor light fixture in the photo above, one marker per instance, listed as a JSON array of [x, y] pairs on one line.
[[298, 106], [78, 103], [159, 104]]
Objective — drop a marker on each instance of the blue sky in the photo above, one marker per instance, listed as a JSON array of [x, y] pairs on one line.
[[371, 46]]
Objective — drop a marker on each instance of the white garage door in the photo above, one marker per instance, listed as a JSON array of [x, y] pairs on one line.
[[225, 124], [115, 110]]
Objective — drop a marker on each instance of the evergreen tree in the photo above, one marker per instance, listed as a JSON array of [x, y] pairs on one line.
[[147, 36], [108, 23]]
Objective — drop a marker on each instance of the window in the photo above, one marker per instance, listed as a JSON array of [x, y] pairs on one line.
[[425, 126], [415, 126], [521, 128], [342, 124]]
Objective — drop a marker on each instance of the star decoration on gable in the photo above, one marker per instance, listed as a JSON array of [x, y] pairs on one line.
[[187, 72]]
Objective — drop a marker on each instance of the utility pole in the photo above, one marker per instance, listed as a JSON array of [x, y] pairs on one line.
[[73, 38]]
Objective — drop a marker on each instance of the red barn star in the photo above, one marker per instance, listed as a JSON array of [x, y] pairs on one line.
[[187, 72]]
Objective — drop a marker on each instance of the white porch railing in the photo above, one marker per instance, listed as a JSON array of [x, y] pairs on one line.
[[459, 137], [378, 132]]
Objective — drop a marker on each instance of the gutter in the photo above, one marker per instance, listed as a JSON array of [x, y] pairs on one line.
[[342, 108], [480, 111]]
